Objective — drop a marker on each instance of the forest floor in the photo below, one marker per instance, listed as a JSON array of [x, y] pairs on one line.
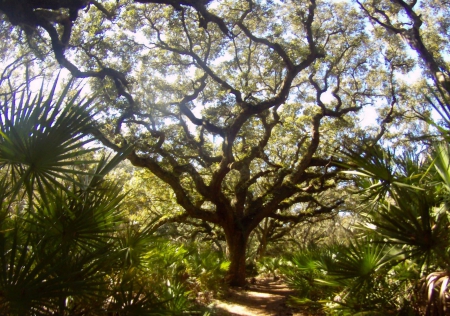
[[265, 297]]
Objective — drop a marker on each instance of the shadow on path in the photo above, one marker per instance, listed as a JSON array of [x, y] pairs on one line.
[[265, 297]]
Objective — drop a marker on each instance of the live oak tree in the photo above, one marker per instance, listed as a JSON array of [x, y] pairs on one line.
[[404, 19], [415, 34], [239, 106]]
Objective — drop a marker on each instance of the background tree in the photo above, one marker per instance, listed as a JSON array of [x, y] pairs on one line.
[[420, 28]]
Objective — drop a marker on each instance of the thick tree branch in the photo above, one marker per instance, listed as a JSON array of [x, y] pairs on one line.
[[275, 46], [200, 7], [298, 218], [173, 181], [413, 37]]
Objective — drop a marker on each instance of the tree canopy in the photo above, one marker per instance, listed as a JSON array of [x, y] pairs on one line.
[[242, 107]]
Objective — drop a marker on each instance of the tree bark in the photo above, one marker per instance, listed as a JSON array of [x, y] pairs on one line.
[[236, 248], [261, 252], [262, 245]]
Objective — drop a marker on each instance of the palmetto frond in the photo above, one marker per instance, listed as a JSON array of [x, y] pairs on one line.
[[442, 166], [132, 296], [58, 253], [374, 164], [409, 222], [379, 172], [32, 282], [41, 140], [77, 221], [360, 261], [135, 242], [412, 217]]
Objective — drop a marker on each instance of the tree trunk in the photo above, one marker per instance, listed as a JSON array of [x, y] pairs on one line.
[[236, 249], [261, 252]]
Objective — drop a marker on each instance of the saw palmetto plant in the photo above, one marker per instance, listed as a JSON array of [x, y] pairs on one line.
[[398, 261], [62, 245], [406, 225]]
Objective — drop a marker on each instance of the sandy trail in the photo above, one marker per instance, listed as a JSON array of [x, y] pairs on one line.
[[264, 298]]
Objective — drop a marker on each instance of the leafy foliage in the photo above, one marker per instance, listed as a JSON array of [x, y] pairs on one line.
[[42, 140], [400, 261], [67, 247]]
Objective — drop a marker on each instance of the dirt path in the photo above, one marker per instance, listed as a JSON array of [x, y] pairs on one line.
[[263, 298]]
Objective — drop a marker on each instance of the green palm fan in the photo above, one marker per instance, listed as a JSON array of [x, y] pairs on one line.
[[77, 221], [442, 166], [359, 261], [409, 223], [372, 163], [133, 297], [57, 256], [41, 140], [35, 283], [378, 171]]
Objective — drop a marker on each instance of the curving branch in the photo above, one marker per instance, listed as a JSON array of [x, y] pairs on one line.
[[173, 180], [200, 7], [413, 36], [275, 46], [302, 216]]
